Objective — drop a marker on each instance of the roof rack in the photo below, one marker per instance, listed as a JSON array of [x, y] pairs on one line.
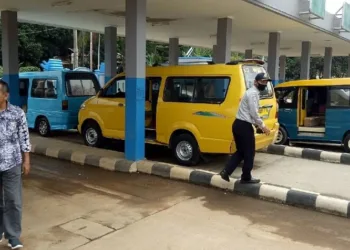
[[257, 61]]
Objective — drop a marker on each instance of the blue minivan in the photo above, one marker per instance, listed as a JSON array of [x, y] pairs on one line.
[[314, 112], [52, 99]]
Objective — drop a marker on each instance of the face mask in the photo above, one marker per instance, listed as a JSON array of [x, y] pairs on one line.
[[261, 87]]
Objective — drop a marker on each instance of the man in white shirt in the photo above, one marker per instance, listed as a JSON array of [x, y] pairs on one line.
[[243, 132]]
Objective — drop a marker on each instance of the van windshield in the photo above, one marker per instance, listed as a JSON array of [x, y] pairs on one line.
[[250, 72], [81, 84]]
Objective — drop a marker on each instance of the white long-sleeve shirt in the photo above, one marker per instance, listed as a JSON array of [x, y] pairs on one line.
[[249, 108]]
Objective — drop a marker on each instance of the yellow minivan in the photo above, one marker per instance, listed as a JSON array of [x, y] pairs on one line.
[[190, 109]]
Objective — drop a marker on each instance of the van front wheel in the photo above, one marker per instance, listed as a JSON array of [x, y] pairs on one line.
[[185, 150], [282, 137], [92, 135]]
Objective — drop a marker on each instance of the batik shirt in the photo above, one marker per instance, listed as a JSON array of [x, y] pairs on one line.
[[14, 137]]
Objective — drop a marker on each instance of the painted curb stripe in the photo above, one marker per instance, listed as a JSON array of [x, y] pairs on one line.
[[247, 189], [276, 149], [162, 170], [299, 198], [270, 192], [310, 154], [65, 154], [345, 159], [200, 177], [92, 160]]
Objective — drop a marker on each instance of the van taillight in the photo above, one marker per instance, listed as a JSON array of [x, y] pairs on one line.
[[65, 105]]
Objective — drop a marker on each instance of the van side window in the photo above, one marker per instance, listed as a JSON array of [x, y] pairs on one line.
[[339, 97], [23, 86], [287, 97], [81, 87], [44, 88], [116, 89], [196, 89]]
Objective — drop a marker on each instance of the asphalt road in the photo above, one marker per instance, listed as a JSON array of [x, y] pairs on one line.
[[74, 207]]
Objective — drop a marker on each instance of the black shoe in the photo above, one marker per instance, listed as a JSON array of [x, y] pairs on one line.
[[224, 175], [250, 181]]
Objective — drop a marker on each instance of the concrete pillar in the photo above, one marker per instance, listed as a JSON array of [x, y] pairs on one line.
[[282, 74], [110, 53], [328, 56], [10, 55], [305, 60], [348, 73], [215, 52], [174, 51], [224, 40], [248, 54], [274, 56], [135, 79]]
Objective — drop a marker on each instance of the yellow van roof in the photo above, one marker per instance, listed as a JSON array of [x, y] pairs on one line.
[[199, 69], [315, 83]]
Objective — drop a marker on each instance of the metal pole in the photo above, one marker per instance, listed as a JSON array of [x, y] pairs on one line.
[[99, 51], [91, 51], [75, 49]]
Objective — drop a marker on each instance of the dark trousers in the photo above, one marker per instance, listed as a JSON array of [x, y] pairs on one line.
[[243, 134], [11, 202]]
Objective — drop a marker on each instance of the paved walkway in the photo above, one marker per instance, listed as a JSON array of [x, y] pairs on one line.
[[320, 177], [68, 207]]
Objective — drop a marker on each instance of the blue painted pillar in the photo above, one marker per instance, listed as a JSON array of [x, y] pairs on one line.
[[273, 56], [110, 53], [135, 79], [10, 54]]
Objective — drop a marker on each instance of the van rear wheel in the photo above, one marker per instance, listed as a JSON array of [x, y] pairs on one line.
[[43, 127], [186, 150], [92, 135]]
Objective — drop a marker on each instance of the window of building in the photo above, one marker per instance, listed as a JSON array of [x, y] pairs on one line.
[[339, 97], [44, 88], [196, 89]]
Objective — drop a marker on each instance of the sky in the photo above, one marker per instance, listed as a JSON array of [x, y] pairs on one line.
[[333, 6]]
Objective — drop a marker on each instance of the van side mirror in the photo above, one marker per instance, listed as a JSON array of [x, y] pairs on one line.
[[288, 100]]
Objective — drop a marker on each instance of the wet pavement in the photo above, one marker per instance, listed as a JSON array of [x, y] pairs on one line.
[[73, 207]]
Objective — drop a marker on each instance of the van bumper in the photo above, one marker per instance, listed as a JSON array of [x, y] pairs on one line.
[[262, 140]]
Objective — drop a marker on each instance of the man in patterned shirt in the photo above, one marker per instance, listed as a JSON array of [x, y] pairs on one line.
[[14, 160]]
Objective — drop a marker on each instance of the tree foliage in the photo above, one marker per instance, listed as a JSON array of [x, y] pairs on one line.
[[38, 42]]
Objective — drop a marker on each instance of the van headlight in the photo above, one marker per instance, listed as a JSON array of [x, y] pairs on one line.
[[82, 106]]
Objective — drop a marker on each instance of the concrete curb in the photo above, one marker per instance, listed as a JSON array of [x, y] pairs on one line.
[[284, 195], [310, 154]]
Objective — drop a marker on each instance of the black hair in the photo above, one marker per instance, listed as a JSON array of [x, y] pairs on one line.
[[5, 86]]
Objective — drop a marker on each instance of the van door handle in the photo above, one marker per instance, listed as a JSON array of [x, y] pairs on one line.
[[120, 105]]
